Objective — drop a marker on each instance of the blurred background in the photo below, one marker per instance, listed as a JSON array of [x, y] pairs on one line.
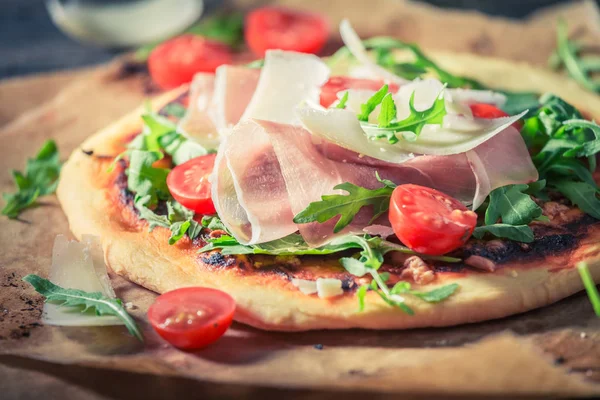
[[31, 42]]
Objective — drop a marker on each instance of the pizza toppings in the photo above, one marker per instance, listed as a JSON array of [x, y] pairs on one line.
[[293, 178], [192, 318], [189, 184], [278, 28], [428, 221], [417, 270], [286, 80]]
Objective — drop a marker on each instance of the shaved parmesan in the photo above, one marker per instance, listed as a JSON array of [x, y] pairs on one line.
[[78, 265], [328, 287], [354, 44], [305, 286], [286, 80], [457, 135]]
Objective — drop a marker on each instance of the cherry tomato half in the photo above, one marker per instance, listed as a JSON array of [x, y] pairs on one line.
[[488, 111], [192, 318], [337, 84], [175, 61], [429, 221], [277, 28], [189, 184]]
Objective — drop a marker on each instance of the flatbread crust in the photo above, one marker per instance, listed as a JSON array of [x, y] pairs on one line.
[[95, 203]]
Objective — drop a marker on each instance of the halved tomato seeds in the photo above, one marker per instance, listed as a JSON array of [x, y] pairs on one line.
[[192, 318], [189, 184], [429, 221]]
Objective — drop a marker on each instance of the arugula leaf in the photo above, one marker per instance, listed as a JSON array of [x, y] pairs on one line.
[[40, 179], [536, 187], [342, 103], [568, 168], [518, 233], [182, 222], [256, 63], [361, 293], [433, 296], [576, 67], [583, 195], [85, 300], [161, 134], [517, 102], [510, 204], [226, 28], [354, 266], [179, 219], [373, 248], [180, 148], [589, 147], [145, 180], [153, 219], [412, 125], [174, 109], [371, 258], [387, 113], [384, 45], [213, 223], [367, 108], [386, 182], [590, 286], [290, 245], [346, 205], [155, 126]]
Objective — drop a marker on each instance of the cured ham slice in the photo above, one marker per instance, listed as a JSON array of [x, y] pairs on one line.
[[277, 170], [248, 189], [234, 88], [197, 123], [499, 162], [287, 79]]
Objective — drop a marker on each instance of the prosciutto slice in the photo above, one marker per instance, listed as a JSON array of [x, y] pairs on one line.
[[234, 88], [277, 170], [197, 123]]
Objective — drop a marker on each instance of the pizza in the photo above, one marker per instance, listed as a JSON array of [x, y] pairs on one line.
[[329, 194]]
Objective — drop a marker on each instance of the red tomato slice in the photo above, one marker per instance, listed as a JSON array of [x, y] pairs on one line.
[[337, 84], [277, 28], [189, 184], [488, 111], [192, 318], [429, 221], [175, 61]]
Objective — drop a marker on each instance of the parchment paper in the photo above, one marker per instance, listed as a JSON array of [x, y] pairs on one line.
[[552, 351]]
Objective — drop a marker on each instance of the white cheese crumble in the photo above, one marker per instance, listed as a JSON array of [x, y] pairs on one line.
[[327, 287]]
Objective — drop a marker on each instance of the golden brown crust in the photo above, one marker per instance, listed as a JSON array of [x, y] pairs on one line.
[[267, 299]]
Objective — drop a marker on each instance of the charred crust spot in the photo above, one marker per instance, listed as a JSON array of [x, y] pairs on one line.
[[454, 268], [348, 284], [279, 271], [582, 224], [215, 259], [541, 247]]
